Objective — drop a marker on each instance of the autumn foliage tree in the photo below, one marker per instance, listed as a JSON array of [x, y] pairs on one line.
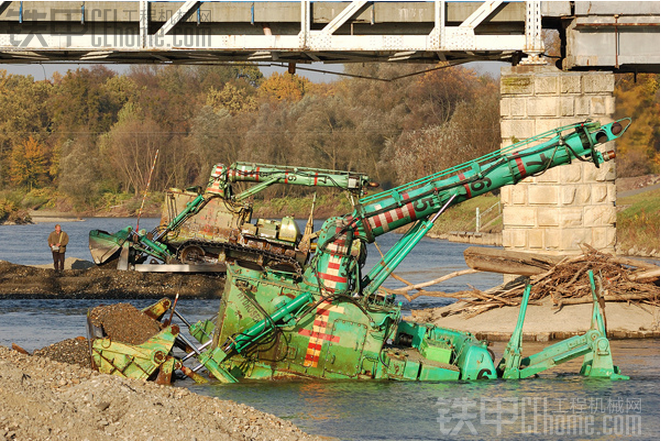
[[92, 133], [130, 147], [29, 164], [284, 87], [454, 118], [638, 152], [81, 171], [23, 113]]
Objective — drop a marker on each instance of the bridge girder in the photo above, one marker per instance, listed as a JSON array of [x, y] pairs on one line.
[[301, 31], [596, 35]]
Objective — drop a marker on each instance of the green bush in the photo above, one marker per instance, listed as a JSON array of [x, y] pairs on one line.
[[638, 222], [40, 198]]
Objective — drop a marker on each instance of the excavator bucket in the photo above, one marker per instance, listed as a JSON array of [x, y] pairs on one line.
[[106, 247], [130, 343], [136, 361]]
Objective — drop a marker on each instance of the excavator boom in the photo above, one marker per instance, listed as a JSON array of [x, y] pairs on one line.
[[333, 266]]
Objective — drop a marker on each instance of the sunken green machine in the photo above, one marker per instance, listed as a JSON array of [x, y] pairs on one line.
[[332, 321]]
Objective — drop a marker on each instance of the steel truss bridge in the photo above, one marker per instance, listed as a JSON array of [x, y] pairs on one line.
[[620, 36]]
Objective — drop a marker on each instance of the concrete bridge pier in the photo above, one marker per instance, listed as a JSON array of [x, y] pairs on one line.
[[566, 206]]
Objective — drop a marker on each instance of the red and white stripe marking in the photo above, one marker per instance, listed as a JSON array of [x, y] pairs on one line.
[[318, 333], [332, 277], [384, 220], [466, 186], [245, 172], [521, 167], [218, 171]]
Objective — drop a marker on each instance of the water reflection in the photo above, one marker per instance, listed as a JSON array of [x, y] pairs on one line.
[[383, 410]]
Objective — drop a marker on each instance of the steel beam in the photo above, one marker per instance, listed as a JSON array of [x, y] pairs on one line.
[[304, 31], [534, 44], [177, 16], [481, 14], [343, 16], [144, 23]]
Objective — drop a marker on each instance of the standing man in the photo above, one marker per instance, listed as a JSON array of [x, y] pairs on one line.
[[57, 242]]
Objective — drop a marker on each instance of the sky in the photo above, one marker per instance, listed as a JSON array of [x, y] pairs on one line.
[[45, 71]]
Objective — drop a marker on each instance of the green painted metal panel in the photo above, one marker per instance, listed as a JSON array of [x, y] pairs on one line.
[[436, 350], [436, 373], [133, 361], [345, 348]]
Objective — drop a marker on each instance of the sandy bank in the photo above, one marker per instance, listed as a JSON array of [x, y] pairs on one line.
[[44, 399], [544, 323], [41, 217], [69, 263]]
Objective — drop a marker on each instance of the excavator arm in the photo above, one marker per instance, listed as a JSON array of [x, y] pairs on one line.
[[335, 269], [265, 175], [388, 210]]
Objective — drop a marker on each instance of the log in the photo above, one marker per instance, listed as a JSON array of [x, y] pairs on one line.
[[632, 262], [649, 276], [434, 282], [607, 298], [424, 293], [509, 262]]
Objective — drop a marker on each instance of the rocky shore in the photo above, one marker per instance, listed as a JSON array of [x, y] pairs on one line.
[[44, 399], [81, 279]]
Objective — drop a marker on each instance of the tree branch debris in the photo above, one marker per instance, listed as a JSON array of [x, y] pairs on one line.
[[564, 283]]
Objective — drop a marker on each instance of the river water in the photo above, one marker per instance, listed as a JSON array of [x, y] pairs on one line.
[[559, 404]]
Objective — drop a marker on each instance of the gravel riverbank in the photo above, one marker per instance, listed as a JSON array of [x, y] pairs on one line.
[[44, 399]]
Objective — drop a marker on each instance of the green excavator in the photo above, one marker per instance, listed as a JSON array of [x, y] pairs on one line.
[[202, 230], [332, 321]]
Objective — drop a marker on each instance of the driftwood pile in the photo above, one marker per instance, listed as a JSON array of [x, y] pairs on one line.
[[564, 283]]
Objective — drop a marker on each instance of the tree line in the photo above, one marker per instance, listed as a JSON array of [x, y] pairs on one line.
[[90, 135]]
